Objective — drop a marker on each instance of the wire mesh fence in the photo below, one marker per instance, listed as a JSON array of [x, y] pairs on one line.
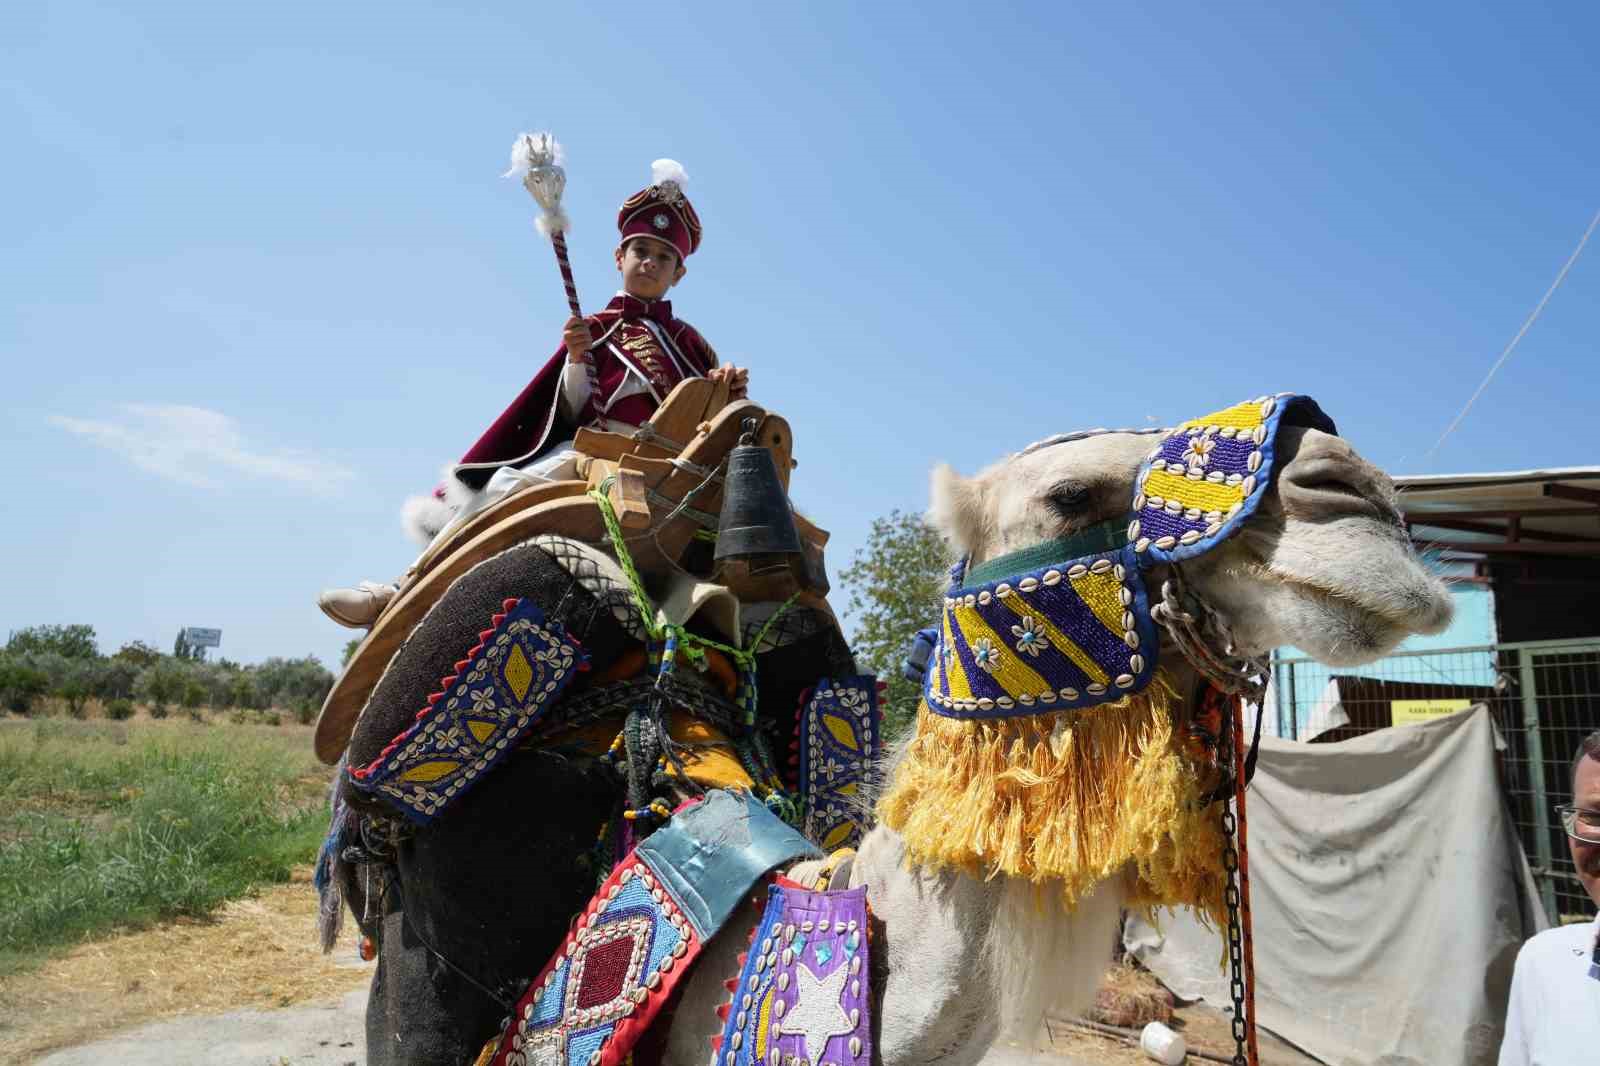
[[1545, 698]]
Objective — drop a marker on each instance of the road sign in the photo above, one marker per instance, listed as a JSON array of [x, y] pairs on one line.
[[202, 638]]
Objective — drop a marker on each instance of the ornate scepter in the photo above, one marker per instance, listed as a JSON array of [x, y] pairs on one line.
[[536, 158]]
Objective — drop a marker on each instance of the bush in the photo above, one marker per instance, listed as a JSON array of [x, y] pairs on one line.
[[272, 718], [115, 678], [21, 686], [305, 712], [160, 685], [196, 715], [282, 681], [242, 693], [119, 709], [76, 696], [194, 694]]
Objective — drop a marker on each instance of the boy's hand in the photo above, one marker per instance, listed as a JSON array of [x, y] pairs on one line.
[[576, 336], [737, 377]]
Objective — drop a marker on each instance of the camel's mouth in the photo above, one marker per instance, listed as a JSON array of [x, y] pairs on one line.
[[1346, 592]]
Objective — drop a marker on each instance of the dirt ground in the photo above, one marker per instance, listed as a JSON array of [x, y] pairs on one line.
[[1208, 1032], [233, 974], [259, 953]]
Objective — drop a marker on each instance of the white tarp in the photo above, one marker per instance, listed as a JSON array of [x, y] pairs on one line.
[[1389, 894]]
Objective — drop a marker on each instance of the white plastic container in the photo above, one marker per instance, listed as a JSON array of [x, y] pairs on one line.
[[1162, 1044]]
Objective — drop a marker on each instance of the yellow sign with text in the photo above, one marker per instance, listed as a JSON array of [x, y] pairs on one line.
[[1410, 712]]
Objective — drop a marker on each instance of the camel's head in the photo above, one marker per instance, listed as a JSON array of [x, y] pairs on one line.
[[1302, 544]]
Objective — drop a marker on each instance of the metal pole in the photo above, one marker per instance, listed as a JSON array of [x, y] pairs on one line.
[[1294, 706], [1541, 798]]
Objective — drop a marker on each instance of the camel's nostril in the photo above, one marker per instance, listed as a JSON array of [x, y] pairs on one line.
[[1322, 489], [1331, 485]]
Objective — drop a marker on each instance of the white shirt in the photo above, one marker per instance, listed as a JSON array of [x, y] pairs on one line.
[[1554, 1015]]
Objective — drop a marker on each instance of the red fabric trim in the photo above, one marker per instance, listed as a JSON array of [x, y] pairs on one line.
[[630, 1028]]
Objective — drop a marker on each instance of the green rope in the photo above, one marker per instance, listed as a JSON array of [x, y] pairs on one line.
[[754, 756], [693, 644]]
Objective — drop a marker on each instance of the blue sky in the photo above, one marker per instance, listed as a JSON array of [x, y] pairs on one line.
[[261, 278]]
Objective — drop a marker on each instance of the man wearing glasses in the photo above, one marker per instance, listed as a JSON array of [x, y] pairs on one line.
[[1554, 1014]]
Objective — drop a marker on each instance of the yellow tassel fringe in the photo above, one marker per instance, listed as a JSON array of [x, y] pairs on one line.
[[1072, 797]]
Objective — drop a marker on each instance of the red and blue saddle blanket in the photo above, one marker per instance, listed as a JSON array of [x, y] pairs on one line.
[[803, 991], [644, 928]]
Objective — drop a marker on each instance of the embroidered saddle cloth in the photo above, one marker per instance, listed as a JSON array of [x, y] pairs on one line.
[[644, 928]]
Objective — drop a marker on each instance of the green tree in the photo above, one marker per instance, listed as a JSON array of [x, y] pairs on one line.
[[242, 692], [138, 653], [21, 685], [114, 678], [75, 694], [194, 694], [72, 642], [160, 685], [895, 581], [349, 650]]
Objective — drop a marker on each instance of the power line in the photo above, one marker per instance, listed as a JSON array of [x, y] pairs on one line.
[[1506, 354]]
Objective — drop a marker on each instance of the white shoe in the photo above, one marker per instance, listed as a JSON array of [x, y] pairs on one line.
[[359, 607]]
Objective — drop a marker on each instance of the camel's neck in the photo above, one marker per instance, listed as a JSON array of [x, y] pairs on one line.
[[966, 960], [936, 1006]]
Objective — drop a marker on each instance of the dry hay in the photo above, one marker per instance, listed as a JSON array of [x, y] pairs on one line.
[[1131, 997], [260, 952]]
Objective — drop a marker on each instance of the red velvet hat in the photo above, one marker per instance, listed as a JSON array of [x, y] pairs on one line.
[[662, 211]]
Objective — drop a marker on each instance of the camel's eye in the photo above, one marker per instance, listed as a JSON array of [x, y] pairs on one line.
[[1068, 499]]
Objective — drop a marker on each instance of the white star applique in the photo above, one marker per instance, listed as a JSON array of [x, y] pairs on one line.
[[816, 1015]]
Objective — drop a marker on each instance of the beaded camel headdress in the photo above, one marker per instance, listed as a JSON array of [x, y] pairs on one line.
[[1067, 624], [1046, 747]]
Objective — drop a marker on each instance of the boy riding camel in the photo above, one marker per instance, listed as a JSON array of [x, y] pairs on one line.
[[613, 369]]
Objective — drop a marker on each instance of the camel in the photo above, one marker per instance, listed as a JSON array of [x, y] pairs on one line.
[[1325, 565], [965, 949]]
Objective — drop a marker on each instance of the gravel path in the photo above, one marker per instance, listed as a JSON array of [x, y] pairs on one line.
[[327, 1034]]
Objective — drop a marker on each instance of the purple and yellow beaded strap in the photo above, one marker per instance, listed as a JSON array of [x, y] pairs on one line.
[[1208, 476], [1069, 635]]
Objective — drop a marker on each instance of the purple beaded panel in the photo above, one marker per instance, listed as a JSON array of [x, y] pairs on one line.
[[802, 994]]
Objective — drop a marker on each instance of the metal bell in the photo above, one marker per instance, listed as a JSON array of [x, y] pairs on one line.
[[756, 519]]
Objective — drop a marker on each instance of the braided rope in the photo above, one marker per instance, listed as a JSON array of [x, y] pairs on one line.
[[643, 749]]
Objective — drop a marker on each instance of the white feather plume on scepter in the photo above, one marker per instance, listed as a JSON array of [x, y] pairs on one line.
[[536, 158]]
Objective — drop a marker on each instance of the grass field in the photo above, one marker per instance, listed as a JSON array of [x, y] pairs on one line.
[[107, 825]]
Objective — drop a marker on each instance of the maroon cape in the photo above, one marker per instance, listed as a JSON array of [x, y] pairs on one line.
[[630, 335]]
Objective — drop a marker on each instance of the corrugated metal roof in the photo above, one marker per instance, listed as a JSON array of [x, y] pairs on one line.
[[1533, 512]]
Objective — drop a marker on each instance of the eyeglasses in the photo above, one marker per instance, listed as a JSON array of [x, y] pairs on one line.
[[1580, 824]]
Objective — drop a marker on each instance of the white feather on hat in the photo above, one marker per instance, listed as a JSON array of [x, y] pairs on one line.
[[665, 170]]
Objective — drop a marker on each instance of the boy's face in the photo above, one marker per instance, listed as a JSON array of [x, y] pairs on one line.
[[649, 267]]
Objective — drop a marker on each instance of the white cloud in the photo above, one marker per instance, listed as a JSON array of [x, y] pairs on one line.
[[200, 447]]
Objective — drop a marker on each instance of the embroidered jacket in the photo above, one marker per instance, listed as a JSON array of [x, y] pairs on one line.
[[641, 352]]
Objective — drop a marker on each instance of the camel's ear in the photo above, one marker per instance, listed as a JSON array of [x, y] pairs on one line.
[[957, 510]]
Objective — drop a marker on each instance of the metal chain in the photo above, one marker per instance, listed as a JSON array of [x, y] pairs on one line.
[[1230, 862], [1200, 632]]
